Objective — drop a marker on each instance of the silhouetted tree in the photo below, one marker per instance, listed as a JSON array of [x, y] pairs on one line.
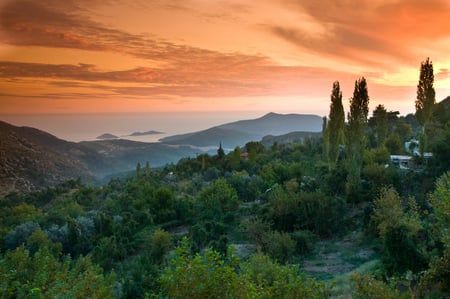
[[220, 152], [425, 93], [356, 142], [335, 124]]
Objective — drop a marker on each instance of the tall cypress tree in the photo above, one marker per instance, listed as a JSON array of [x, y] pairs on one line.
[[426, 97], [426, 100], [355, 137], [336, 124]]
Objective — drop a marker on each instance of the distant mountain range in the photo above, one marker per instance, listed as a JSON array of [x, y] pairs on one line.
[[30, 158], [238, 133]]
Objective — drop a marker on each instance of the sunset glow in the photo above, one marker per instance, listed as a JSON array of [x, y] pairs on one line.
[[197, 55]]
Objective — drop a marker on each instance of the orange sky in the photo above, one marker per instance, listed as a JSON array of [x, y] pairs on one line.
[[76, 56]]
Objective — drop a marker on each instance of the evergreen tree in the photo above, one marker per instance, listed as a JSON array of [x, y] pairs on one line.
[[138, 169], [335, 124], [356, 142], [425, 93], [380, 121], [220, 152]]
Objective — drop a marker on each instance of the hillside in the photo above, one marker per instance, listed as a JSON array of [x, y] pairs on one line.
[[31, 159], [114, 156], [239, 132]]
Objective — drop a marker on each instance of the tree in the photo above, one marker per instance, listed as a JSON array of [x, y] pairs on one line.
[[42, 275], [161, 244], [335, 124], [220, 152], [356, 142], [425, 93], [138, 170], [205, 275], [380, 121], [398, 228], [394, 144], [273, 280], [440, 201]]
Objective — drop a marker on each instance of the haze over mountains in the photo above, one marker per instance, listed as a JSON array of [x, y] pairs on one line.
[[240, 132], [31, 158]]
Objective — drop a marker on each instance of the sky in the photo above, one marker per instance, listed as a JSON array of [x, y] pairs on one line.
[[114, 56]]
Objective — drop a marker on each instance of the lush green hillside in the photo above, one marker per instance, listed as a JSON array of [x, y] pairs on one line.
[[330, 216], [275, 223]]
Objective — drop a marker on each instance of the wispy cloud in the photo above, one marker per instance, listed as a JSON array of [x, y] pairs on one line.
[[368, 31], [233, 79]]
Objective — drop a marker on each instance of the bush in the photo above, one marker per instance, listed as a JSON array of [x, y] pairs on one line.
[[279, 246], [304, 240]]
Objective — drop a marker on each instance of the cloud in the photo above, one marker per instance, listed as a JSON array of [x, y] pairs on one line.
[[370, 33], [376, 31], [235, 78], [442, 74]]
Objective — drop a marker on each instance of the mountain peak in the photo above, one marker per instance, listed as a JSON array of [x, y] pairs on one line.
[[239, 132]]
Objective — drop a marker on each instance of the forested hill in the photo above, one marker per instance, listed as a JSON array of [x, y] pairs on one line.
[[31, 158], [240, 132]]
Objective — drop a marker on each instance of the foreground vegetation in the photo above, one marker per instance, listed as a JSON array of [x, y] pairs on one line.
[[324, 218]]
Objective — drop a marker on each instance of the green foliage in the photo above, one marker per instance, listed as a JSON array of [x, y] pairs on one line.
[[435, 282], [398, 229], [160, 245], [20, 234], [367, 287], [281, 200], [355, 136], [248, 188], [313, 211], [380, 118], [256, 229], [394, 144], [388, 213], [209, 275], [273, 280], [304, 240], [216, 200], [379, 155], [440, 201], [44, 276], [279, 246], [205, 275]]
